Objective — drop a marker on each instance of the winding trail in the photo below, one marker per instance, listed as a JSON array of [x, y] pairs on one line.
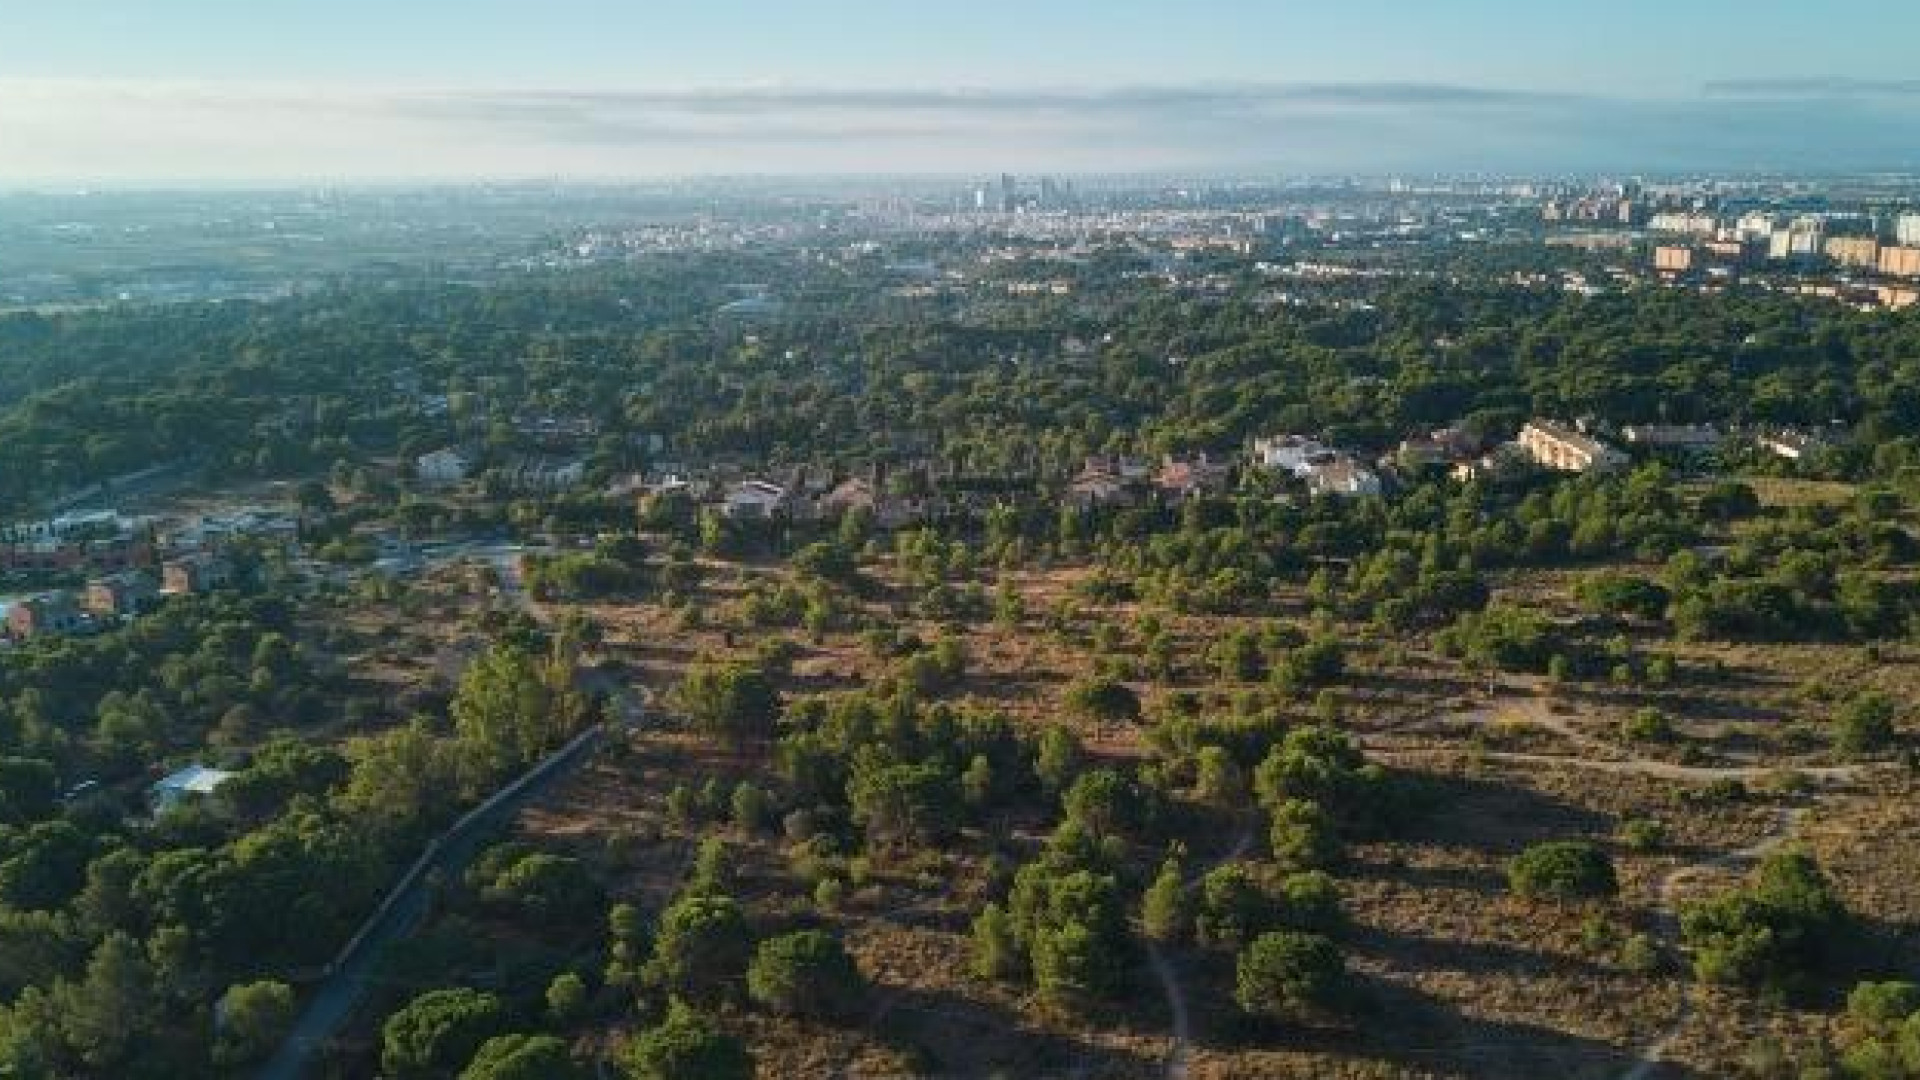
[[1655, 1054], [1163, 969], [1533, 708], [1527, 704]]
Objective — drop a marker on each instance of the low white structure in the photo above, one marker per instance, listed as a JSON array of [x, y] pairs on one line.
[[1289, 453], [756, 499], [442, 467], [1790, 444], [1342, 477], [192, 782]]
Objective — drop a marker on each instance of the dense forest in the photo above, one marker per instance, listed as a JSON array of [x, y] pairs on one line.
[[850, 372]]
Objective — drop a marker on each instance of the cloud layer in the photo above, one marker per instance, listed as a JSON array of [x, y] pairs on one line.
[[98, 131]]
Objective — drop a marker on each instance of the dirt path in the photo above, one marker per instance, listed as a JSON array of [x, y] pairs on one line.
[[1662, 770], [1526, 704], [1163, 970], [1655, 1054], [1533, 708]]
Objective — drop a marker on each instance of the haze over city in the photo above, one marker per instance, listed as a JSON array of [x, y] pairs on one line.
[[125, 91]]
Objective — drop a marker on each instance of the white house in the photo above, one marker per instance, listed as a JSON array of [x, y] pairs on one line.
[[442, 467], [1289, 453], [754, 499], [192, 782], [1342, 477]]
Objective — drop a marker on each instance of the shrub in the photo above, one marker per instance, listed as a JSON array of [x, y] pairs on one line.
[[1774, 934], [805, 973], [1864, 726], [1103, 699], [1883, 1002], [523, 1057], [1233, 906], [1562, 870], [702, 946], [996, 953], [1647, 725], [1289, 976], [438, 1032], [1163, 910], [686, 1045], [1643, 834], [254, 1018], [1303, 836], [566, 997]]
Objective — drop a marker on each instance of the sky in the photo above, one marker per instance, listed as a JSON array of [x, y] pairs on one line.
[[131, 91]]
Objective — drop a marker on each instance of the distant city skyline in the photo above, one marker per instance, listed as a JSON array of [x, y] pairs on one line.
[[125, 91]]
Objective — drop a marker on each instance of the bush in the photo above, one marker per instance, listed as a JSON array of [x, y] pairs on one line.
[[1163, 910], [1290, 976], [1865, 726], [1647, 725], [805, 974], [566, 997], [1103, 699], [1774, 934], [1883, 1002], [438, 1032], [1642, 834], [1233, 906], [254, 1018], [545, 889], [1562, 870], [1311, 901], [687, 1045], [730, 701], [702, 947], [996, 952], [523, 1057], [1303, 837]]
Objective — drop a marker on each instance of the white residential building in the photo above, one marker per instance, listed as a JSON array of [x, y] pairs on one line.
[[754, 499], [1289, 453], [192, 782], [1342, 477], [442, 467]]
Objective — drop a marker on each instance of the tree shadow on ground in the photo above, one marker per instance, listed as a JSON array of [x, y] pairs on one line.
[[1411, 1030], [1499, 817], [945, 1034], [1427, 954]]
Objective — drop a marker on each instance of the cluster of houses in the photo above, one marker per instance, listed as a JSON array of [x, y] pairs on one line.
[[1117, 481], [1325, 470], [130, 564], [99, 541], [111, 598]]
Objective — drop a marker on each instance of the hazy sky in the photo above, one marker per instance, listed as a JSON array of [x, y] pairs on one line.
[[128, 90]]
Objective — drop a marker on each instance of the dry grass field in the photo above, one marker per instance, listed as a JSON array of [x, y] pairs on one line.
[[1459, 978]]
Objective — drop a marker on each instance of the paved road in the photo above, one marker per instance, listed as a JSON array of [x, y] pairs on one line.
[[334, 999]]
